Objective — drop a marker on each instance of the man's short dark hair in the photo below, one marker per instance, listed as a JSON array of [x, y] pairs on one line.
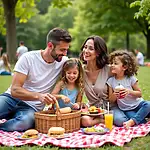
[[57, 34]]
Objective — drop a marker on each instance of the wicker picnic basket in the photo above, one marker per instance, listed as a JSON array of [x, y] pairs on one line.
[[50, 118]]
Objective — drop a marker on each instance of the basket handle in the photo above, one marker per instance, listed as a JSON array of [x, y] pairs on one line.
[[58, 113]]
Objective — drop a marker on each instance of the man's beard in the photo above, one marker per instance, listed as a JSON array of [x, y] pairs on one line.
[[56, 57]]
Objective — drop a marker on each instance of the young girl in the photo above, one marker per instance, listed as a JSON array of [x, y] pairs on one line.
[[69, 89], [129, 100], [5, 65]]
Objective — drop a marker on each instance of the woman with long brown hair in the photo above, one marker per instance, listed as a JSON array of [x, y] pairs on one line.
[[5, 65]]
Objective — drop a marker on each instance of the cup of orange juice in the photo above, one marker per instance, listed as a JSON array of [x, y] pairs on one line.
[[109, 120]]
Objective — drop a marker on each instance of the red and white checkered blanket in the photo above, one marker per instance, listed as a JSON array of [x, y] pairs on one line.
[[118, 136]]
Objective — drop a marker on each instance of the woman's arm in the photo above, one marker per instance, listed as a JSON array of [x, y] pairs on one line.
[[9, 69]]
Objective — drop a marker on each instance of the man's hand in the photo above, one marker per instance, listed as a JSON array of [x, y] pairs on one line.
[[47, 98]]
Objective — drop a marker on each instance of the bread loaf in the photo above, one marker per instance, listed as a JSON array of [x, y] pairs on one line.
[[65, 110]]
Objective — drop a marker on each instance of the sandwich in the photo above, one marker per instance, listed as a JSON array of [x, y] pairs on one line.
[[31, 133], [93, 110], [56, 132]]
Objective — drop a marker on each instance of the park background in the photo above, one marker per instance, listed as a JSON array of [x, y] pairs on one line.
[[124, 24]]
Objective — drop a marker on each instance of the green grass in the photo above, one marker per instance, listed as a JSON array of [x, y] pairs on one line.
[[142, 143], [5, 82]]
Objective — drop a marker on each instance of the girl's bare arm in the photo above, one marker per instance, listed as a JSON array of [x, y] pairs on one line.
[[111, 94], [57, 89], [136, 90], [79, 97]]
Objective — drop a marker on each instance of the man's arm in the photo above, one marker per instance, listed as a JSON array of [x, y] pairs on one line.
[[18, 91]]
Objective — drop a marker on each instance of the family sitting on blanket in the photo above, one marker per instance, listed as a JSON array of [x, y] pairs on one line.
[[36, 73]]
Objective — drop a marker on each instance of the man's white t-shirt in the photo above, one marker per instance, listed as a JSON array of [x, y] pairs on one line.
[[21, 50], [140, 58], [41, 76]]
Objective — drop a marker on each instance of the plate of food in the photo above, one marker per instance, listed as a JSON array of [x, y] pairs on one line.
[[57, 132], [29, 135], [94, 111], [95, 130]]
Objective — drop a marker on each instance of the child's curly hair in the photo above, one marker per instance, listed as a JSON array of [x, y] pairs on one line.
[[72, 62], [128, 60]]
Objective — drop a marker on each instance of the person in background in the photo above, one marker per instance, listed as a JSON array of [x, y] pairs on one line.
[[132, 109], [5, 65], [69, 90], [139, 57], [35, 75], [21, 49], [96, 72]]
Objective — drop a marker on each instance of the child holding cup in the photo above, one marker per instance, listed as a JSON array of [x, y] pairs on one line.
[[131, 105]]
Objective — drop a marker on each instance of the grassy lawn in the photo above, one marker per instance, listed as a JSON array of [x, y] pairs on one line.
[[136, 144]]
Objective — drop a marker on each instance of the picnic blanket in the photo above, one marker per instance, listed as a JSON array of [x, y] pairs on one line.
[[118, 136]]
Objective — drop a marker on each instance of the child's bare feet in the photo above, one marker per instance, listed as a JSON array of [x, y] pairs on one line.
[[128, 124]]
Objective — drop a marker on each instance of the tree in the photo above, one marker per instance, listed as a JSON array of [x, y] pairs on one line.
[[104, 17], [144, 13], [144, 9], [23, 9]]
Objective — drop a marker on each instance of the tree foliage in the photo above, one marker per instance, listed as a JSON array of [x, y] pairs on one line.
[[144, 9], [106, 17], [2, 19], [103, 17], [22, 9]]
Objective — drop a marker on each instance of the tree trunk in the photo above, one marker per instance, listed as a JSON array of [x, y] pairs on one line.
[[9, 9], [148, 44], [127, 41]]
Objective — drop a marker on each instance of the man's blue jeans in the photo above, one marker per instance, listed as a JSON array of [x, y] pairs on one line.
[[138, 114], [19, 115]]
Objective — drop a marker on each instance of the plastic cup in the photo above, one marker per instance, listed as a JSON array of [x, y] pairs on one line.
[[109, 120]]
